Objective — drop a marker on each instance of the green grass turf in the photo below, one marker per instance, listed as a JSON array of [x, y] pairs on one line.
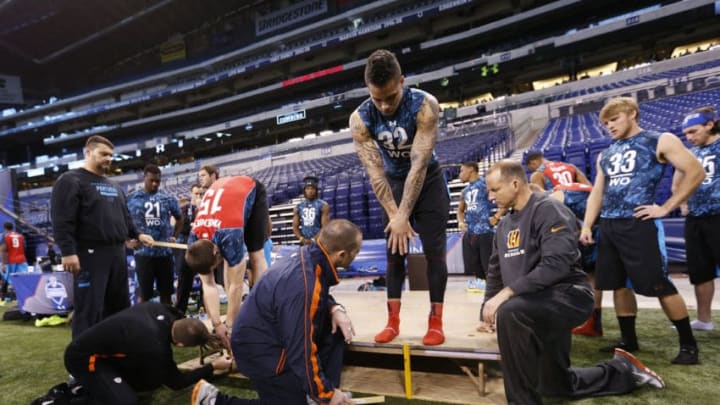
[[32, 361]]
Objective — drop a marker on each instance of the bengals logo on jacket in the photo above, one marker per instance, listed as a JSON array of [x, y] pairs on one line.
[[513, 239]]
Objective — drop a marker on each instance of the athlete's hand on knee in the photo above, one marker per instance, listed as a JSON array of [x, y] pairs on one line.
[[650, 211], [72, 264], [491, 306], [400, 234]]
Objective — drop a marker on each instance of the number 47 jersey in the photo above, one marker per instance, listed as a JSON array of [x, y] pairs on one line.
[[632, 173], [223, 213]]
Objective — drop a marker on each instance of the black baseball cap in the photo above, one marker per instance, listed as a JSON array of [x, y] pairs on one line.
[[311, 181]]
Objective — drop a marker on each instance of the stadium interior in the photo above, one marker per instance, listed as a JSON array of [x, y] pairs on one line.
[[183, 85]]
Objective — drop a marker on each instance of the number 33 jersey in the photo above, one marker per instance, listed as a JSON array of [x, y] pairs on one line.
[[223, 213], [632, 173]]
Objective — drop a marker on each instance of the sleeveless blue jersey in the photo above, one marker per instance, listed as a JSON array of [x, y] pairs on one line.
[[632, 173], [575, 197], [394, 135], [310, 214], [576, 201], [548, 183], [477, 207], [706, 199], [151, 215]]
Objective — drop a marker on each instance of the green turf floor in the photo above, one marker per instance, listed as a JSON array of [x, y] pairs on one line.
[[31, 362]]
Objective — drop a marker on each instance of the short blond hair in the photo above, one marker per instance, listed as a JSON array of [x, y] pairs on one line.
[[618, 105]]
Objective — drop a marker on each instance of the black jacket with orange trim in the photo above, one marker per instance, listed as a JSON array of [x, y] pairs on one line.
[[282, 322], [136, 343]]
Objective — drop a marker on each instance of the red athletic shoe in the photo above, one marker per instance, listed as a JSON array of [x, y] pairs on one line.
[[592, 327]]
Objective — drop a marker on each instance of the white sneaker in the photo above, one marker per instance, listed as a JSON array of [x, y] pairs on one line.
[[204, 393], [700, 325]]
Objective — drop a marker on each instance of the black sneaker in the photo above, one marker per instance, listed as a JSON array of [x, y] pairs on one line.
[[688, 355], [620, 345]]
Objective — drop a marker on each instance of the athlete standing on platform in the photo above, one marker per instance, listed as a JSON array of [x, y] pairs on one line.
[[536, 293], [12, 248], [394, 132], [631, 241], [151, 210], [91, 224], [547, 174], [476, 223], [702, 222], [311, 214], [233, 210]]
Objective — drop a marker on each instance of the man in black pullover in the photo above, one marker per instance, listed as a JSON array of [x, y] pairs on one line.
[[132, 351], [91, 223], [537, 293]]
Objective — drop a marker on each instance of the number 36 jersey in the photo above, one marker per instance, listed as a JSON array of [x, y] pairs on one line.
[[223, 213], [394, 135], [632, 173]]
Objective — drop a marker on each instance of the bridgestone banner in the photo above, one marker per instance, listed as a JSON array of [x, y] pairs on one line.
[[288, 16]]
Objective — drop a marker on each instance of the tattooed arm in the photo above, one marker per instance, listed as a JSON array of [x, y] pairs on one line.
[[420, 154], [369, 155]]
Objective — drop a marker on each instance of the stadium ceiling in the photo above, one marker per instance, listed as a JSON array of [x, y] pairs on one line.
[[156, 24], [65, 37]]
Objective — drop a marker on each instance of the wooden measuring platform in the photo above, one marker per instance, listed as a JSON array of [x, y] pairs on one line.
[[368, 312], [460, 317]]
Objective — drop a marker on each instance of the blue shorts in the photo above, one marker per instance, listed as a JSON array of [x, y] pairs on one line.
[[15, 268]]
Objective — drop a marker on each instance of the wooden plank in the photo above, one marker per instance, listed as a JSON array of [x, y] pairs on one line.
[[455, 389], [172, 245], [377, 399]]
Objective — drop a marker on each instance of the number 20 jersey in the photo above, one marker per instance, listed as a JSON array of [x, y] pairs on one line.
[[632, 173], [394, 135]]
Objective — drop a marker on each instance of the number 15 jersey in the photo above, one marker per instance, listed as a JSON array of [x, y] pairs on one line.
[[223, 214], [632, 173]]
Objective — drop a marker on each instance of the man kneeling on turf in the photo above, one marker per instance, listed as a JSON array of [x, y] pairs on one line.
[[132, 351], [290, 334]]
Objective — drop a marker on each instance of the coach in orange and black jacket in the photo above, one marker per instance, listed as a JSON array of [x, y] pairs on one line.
[[285, 338]]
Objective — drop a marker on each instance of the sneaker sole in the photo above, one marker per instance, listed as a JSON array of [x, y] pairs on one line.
[[634, 360]]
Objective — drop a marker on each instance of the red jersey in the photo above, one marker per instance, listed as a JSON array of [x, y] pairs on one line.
[[15, 244], [558, 173], [223, 206]]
